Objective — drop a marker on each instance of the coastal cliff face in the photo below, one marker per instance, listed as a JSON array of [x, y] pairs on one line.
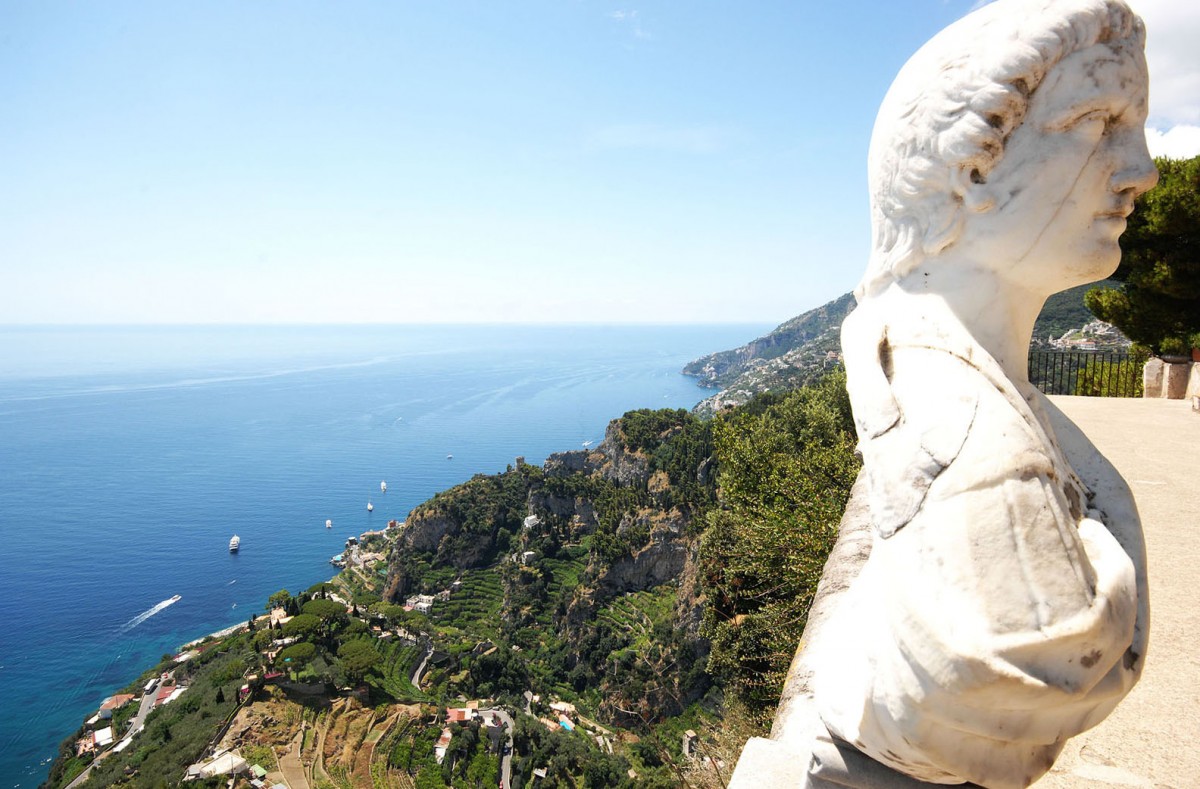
[[622, 465], [574, 541], [661, 560], [791, 355], [423, 531]]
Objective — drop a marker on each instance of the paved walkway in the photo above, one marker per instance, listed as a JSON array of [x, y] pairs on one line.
[[1151, 739], [291, 766]]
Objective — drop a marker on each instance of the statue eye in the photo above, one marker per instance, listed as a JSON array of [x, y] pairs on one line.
[[1098, 120], [1094, 122]]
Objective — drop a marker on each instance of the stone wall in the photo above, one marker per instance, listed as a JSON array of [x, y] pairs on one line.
[[1171, 380]]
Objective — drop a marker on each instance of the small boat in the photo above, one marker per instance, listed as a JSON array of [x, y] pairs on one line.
[[383, 487], [235, 542], [175, 599], [328, 524], [370, 507], [449, 457]]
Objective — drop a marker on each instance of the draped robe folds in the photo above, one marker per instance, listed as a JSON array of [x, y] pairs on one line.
[[997, 614]]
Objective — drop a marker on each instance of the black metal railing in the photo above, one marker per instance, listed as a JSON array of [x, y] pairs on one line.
[[1089, 373]]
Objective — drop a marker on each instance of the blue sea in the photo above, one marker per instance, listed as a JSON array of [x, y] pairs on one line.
[[130, 455]]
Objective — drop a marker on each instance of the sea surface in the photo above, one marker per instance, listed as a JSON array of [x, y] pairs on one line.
[[130, 456]]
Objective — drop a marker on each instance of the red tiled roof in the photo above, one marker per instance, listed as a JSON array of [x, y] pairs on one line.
[[163, 693], [116, 702]]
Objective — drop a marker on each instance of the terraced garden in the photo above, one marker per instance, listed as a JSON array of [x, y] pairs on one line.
[[475, 606], [565, 575], [395, 672], [638, 613]]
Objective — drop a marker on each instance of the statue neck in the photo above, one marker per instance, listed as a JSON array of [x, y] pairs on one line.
[[998, 314]]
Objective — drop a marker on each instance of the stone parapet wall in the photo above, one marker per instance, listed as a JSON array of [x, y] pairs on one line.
[[1171, 380]]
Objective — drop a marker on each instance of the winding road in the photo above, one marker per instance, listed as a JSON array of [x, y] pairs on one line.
[[506, 755], [416, 677]]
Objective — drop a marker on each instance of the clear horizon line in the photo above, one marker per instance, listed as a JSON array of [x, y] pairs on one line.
[[366, 324]]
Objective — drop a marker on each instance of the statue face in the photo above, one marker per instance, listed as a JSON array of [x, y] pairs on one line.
[[1069, 174]]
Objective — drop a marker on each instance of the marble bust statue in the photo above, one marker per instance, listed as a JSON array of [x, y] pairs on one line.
[[1003, 607]]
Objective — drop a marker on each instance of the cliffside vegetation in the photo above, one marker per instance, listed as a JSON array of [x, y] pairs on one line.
[[654, 585], [787, 464], [1065, 312], [665, 576]]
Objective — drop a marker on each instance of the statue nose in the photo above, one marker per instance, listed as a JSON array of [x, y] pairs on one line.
[[1137, 171]]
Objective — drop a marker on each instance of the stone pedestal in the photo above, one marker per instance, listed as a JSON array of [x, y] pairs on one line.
[[1170, 380], [1152, 378], [1175, 379]]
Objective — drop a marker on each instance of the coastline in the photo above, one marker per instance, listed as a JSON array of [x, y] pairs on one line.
[[227, 631], [275, 491]]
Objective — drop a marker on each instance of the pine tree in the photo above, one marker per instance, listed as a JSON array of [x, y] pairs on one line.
[[1158, 303]]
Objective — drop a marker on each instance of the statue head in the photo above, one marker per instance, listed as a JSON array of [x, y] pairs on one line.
[[1015, 137]]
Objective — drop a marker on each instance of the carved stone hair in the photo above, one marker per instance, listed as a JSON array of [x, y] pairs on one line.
[[947, 117]]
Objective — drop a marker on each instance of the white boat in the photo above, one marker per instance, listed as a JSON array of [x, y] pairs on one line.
[[383, 487], [328, 524], [370, 507], [235, 542], [449, 457]]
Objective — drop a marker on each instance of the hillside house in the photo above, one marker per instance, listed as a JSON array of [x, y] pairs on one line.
[[114, 703], [422, 603], [221, 763], [443, 742], [460, 714]]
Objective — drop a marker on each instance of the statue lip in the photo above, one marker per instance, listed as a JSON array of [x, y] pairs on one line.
[[1122, 212]]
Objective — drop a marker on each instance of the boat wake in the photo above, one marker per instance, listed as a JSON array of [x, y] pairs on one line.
[[149, 612]]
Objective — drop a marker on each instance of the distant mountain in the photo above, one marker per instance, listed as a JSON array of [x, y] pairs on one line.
[[793, 354], [802, 349]]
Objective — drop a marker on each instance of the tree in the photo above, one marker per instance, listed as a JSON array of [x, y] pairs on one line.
[[325, 609], [302, 625], [358, 657], [1103, 378], [297, 654], [1158, 303], [786, 468], [220, 696], [279, 599]]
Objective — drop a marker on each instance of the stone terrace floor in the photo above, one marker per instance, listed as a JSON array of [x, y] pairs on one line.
[[1153, 737]]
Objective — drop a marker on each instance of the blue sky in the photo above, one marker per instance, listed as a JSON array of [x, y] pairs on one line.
[[380, 162]]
